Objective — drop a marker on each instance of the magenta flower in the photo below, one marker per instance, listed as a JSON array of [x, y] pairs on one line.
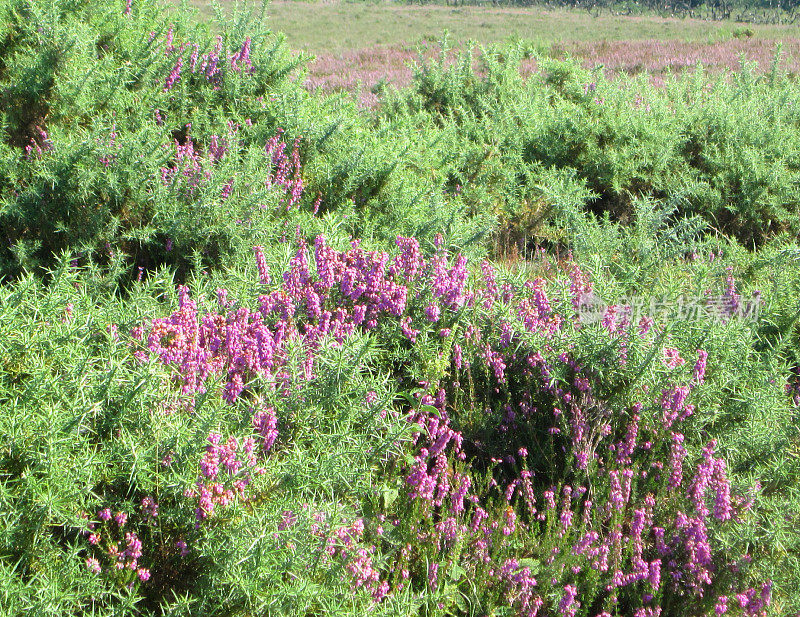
[[93, 565], [174, 75]]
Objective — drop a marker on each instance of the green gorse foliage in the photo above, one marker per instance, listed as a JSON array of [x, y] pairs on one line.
[[254, 361]]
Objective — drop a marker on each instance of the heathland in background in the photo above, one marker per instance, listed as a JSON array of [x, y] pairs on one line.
[[519, 338], [358, 46]]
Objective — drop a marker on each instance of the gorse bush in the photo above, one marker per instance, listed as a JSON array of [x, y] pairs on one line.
[[132, 133], [254, 359], [722, 145], [543, 464]]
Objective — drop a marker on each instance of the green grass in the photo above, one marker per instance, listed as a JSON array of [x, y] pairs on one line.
[[340, 26]]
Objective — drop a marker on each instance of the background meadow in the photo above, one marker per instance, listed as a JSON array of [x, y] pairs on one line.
[[518, 336]]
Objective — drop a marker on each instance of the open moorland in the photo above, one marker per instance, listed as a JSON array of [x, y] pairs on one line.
[[500, 332], [358, 46]]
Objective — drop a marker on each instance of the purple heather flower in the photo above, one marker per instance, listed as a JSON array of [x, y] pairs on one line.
[[700, 366], [568, 605], [174, 75]]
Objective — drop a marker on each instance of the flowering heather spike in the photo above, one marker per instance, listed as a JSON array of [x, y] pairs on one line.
[[673, 404], [210, 64], [149, 507], [242, 57], [678, 453], [263, 269], [433, 575], [672, 358], [265, 422], [93, 565], [722, 502], [700, 366], [702, 479], [193, 57], [432, 313], [568, 605], [42, 145], [217, 148], [732, 298], [169, 47], [580, 287]]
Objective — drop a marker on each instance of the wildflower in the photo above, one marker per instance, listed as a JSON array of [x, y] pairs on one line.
[[432, 312], [182, 547], [93, 565], [672, 357], [568, 606], [149, 507], [700, 366], [174, 75]]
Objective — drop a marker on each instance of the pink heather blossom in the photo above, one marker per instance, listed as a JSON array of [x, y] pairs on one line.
[[568, 606], [242, 57], [93, 565], [432, 312], [174, 75], [700, 366], [149, 507], [672, 357]]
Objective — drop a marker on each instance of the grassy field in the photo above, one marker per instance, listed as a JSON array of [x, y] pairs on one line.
[[340, 26], [358, 45]]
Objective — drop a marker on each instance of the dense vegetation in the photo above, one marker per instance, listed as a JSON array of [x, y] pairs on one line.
[[499, 347]]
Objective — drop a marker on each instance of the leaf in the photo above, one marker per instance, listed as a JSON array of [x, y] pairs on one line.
[[389, 496], [430, 409], [529, 562], [456, 572]]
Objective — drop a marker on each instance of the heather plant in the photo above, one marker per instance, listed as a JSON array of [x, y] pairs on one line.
[[484, 446]]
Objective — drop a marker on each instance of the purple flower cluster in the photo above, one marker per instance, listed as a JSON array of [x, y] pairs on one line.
[[644, 526], [242, 58], [174, 75], [226, 471], [285, 173], [39, 145], [109, 537], [365, 287]]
